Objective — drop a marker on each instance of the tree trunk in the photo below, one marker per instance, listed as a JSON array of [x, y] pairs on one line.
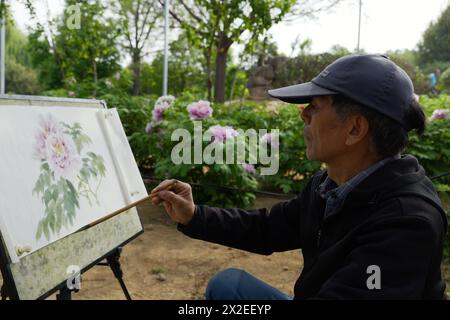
[[136, 73], [221, 74], [233, 84], [221, 67]]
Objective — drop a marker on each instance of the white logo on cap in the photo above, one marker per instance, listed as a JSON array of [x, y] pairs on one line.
[[325, 73]]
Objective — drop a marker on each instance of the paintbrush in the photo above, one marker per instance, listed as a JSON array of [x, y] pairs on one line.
[[128, 207]]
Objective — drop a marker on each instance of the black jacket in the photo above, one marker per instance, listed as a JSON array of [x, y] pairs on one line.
[[393, 220]]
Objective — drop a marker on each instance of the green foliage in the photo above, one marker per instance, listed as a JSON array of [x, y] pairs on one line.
[[433, 148], [44, 60], [236, 85], [90, 53], [444, 82], [153, 151], [16, 44], [433, 151], [430, 104], [302, 68], [139, 21], [213, 27], [21, 79], [76, 59], [231, 175], [186, 70], [435, 45]]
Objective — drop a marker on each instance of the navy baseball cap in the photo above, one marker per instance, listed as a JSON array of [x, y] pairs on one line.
[[372, 80]]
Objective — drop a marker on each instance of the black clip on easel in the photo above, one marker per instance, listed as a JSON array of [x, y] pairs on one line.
[[113, 261]]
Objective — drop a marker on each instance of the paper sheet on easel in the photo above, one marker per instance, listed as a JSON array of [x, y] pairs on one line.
[[61, 169]]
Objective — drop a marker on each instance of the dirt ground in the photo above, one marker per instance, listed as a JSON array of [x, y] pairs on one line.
[[164, 264]]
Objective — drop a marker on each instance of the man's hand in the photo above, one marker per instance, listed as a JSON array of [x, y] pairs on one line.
[[178, 202]]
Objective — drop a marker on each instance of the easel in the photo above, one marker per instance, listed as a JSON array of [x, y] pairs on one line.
[[99, 241], [112, 261]]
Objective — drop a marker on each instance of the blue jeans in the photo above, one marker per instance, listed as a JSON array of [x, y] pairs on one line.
[[236, 284]]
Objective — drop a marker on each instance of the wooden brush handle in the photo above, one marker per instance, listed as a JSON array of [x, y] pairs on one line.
[[128, 207]]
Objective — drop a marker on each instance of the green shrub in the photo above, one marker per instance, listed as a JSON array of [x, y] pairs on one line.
[[153, 152], [21, 79], [231, 175], [433, 148], [444, 82]]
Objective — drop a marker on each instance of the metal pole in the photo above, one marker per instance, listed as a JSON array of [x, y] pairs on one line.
[[359, 27], [166, 46], [2, 57]]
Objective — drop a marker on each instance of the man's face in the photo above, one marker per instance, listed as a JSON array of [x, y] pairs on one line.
[[324, 132]]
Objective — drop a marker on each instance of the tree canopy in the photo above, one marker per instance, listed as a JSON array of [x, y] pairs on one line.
[[435, 45]]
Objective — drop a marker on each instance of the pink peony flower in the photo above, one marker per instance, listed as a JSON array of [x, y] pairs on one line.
[[149, 128], [440, 114], [249, 168], [62, 156], [268, 139], [221, 134], [199, 110], [165, 99], [158, 111], [48, 126]]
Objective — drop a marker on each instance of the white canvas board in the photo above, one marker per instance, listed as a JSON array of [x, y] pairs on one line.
[[61, 169]]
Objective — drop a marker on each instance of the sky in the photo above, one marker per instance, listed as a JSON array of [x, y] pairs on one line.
[[385, 24]]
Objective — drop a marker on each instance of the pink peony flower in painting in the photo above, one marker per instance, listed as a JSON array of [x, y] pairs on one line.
[[62, 156], [221, 134], [48, 126], [40, 146], [66, 173], [200, 110]]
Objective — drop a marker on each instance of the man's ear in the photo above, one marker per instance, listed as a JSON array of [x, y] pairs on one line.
[[358, 129]]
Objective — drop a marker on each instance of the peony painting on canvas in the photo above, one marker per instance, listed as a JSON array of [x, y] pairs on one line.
[[61, 169], [68, 170]]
